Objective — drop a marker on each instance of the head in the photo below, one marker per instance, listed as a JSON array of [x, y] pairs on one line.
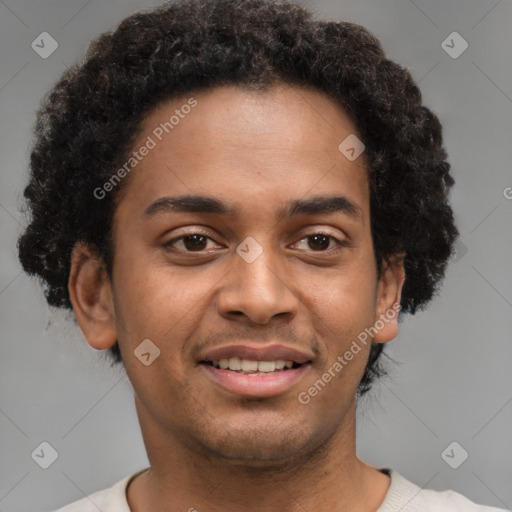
[[244, 103]]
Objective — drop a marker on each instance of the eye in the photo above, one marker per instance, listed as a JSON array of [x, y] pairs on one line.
[[193, 242], [321, 242], [198, 242]]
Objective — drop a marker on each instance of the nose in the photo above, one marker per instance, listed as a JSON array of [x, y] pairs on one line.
[[257, 291]]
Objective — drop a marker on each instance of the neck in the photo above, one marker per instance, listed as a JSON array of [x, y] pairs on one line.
[[184, 477]]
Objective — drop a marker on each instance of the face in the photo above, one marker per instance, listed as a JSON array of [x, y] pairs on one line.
[[274, 262]]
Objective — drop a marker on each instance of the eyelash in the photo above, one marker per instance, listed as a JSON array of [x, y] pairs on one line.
[[341, 244]]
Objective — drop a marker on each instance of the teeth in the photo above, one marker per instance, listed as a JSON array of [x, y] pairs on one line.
[[234, 363], [248, 365], [266, 366]]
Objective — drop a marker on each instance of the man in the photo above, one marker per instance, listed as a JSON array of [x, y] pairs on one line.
[[236, 200]]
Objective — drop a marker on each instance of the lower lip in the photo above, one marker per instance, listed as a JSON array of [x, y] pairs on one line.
[[256, 385]]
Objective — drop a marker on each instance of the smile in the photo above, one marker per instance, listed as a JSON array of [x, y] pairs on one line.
[[252, 367], [252, 378]]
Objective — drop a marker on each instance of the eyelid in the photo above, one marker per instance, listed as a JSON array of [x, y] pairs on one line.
[[312, 230], [319, 231], [192, 230]]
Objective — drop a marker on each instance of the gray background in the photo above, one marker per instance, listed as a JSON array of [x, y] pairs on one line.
[[453, 381]]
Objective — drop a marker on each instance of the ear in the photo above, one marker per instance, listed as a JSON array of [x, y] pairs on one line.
[[388, 299], [91, 295]]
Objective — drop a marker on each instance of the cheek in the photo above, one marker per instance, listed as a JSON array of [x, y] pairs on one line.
[[163, 305], [341, 306], [156, 301], [342, 297]]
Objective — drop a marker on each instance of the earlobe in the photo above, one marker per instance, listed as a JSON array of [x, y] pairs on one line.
[[388, 299], [90, 292]]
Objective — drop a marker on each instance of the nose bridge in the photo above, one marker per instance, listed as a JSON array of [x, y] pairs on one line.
[[262, 272], [257, 287]]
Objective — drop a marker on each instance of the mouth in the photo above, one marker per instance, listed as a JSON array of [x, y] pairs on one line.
[[256, 377], [252, 367]]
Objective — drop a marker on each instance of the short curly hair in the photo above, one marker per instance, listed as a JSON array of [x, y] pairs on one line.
[[87, 123]]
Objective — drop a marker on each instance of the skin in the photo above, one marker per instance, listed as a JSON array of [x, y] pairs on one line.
[[210, 449]]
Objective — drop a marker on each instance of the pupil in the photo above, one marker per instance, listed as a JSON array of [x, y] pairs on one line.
[[321, 238], [196, 240]]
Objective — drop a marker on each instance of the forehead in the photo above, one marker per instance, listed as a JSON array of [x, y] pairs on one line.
[[251, 148], [290, 112]]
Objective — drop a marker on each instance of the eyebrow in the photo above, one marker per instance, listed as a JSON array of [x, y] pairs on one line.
[[211, 205]]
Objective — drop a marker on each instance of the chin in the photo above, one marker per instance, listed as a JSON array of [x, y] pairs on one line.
[[263, 447]]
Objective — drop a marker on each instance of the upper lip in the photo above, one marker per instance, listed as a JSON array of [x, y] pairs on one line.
[[257, 352]]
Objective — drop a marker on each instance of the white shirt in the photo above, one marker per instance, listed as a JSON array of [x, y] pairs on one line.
[[402, 496]]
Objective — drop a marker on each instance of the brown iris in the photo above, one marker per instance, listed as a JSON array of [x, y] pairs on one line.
[[321, 241]]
